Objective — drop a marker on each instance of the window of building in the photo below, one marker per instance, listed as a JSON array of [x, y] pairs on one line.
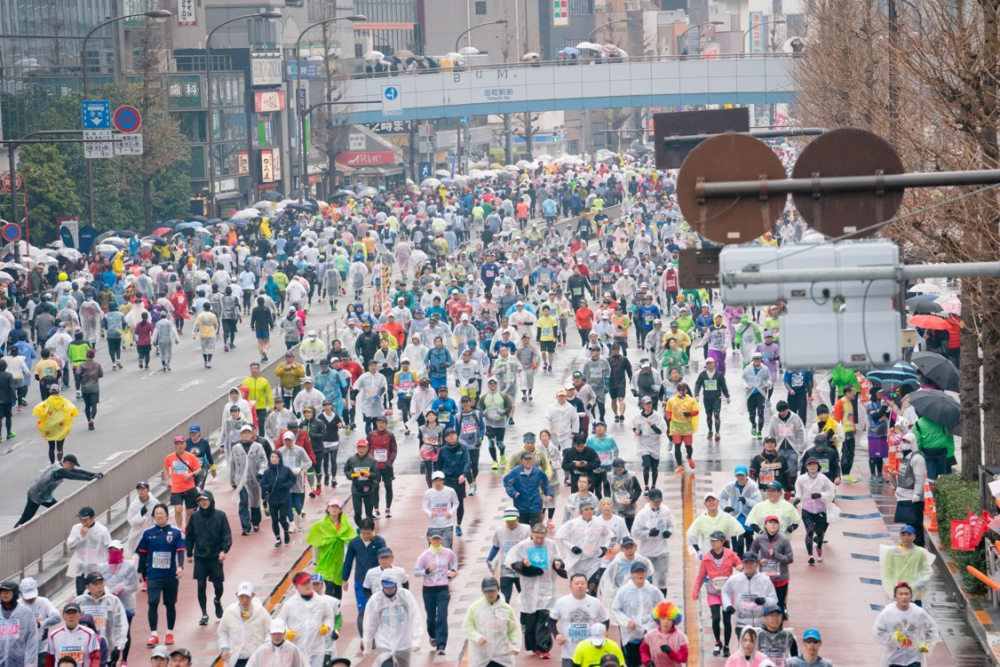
[[359, 51], [581, 7], [480, 8]]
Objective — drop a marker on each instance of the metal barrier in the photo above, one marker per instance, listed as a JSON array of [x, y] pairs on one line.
[[29, 545]]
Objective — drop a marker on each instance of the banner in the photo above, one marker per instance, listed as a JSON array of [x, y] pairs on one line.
[[961, 536], [756, 32]]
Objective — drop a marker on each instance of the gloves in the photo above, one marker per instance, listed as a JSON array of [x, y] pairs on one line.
[[323, 629], [604, 550], [296, 471], [816, 496], [791, 528], [576, 551], [116, 653], [666, 534], [730, 609], [415, 647], [924, 647], [654, 532], [666, 648], [759, 601], [899, 636], [142, 512], [729, 510], [686, 413], [755, 528], [635, 393], [336, 635], [290, 635], [100, 475]]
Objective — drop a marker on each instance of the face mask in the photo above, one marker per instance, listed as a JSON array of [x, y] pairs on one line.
[[116, 557]]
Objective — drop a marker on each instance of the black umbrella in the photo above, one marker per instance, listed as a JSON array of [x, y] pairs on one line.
[[919, 306], [274, 195], [155, 239], [937, 369], [936, 406], [199, 218], [105, 235]]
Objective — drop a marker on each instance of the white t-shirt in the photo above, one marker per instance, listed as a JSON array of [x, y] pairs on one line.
[[575, 618], [437, 504]]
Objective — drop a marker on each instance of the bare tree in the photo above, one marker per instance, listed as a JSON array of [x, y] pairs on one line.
[[330, 133]]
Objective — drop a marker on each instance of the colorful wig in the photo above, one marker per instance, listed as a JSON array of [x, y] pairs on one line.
[[667, 610]]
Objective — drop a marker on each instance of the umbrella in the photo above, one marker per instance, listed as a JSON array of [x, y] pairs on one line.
[[936, 406], [571, 51], [374, 55], [368, 192], [403, 53], [925, 288], [71, 254], [155, 239], [42, 259], [6, 277], [273, 195], [13, 266], [588, 46], [505, 175], [107, 248], [531, 57], [933, 322], [925, 297], [194, 224], [263, 205], [919, 306], [456, 58], [430, 183], [392, 60], [900, 374], [954, 307], [610, 49], [247, 213], [341, 193], [116, 242], [198, 218], [442, 173], [468, 51], [161, 231], [447, 181], [937, 369], [105, 235], [622, 53]]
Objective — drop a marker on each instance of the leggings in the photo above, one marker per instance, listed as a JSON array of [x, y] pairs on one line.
[[404, 405], [387, 483], [328, 463], [228, 332], [334, 590], [128, 639], [115, 348], [55, 450], [755, 409], [90, 406], [649, 464], [874, 465], [154, 618], [726, 622], [474, 467], [279, 517], [584, 336], [144, 353], [5, 414], [203, 592], [677, 453], [815, 525]]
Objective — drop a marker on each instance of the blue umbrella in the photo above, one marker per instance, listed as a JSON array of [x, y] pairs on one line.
[[924, 297], [901, 373], [194, 224], [571, 51]]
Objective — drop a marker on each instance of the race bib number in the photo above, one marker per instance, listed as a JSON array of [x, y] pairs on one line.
[[100, 616], [371, 394], [489, 274], [766, 476], [179, 468], [824, 465], [381, 455], [439, 509], [75, 652], [770, 567], [431, 440], [508, 545], [469, 427], [496, 414], [88, 553], [546, 331], [621, 497], [747, 602], [444, 416], [578, 631], [234, 436], [906, 643], [605, 458], [577, 291], [785, 430], [545, 588], [161, 560], [11, 628], [711, 385], [405, 385]]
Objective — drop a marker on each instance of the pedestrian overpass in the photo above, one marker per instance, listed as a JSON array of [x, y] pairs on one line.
[[662, 81]]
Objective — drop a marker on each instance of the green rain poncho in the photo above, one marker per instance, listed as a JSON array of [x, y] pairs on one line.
[[330, 544], [748, 336]]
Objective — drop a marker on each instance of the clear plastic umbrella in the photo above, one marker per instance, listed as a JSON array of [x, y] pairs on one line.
[[456, 58], [588, 46], [374, 55], [430, 183], [247, 213], [442, 172], [71, 254], [468, 51], [6, 277]]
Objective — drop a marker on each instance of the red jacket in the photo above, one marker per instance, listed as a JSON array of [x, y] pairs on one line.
[[708, 569], [383, 447]]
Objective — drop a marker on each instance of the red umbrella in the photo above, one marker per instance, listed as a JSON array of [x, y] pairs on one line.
[[933, 322], [162, 230]]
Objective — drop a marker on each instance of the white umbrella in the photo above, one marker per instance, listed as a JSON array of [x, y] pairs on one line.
[[13, 266], [116, 241], [6, 277], [925, 288], [374, 55], [71, 254], [321, 203], [107, 247], [261, 205], [610, 49], [622, 53], [444, 173], [430, 183], [368, 192], [457, 58], [247, 213], [476, 173], [512, 168], [522, 164], [468, 51], [39, 259], [588, 46]]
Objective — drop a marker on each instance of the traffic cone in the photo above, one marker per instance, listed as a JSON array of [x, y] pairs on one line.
[[929, 507], [890, 467]]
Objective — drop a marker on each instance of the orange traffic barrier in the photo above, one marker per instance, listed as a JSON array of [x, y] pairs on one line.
[[983, 578], [893, 463], [930, 509]]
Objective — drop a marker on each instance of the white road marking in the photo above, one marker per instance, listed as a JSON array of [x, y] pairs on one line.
[[228, 384], [188, 385]]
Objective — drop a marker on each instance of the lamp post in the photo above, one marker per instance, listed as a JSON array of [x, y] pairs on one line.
[[353, 18], [269, 15], [762, 24], [698, 25], [604, 25], [481, 25], [159, 15]]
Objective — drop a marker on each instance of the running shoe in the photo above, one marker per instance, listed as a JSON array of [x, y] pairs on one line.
[[378, 515], [811, 561], [388, 513], [204, 620], [678, 470], [458, 530], [169, 641], [503, 459], [496, 466], [850, 479], [718, 437], [550, 525], [218, 608], [545, 655], [819, 555], [718, 649], [152, 641], [691, 463]]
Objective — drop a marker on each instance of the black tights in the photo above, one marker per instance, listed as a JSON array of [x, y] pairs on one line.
[[649, 463], [154, 618], [90, 406], [677, 453], [874, 465], [128, 640], [55, 448], [726, 622], [203, 595], [279, 518], [388, 496], [328, 460]]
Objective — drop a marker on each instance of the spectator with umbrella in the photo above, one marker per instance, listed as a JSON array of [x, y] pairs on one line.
[[937, 413]]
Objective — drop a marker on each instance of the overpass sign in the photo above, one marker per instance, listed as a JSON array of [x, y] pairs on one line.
[[392, 101]]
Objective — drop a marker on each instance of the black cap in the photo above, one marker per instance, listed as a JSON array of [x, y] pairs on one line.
[[782, 405], [71, 606], [86, 513], [655, 494], [92, 577], [183, 652], [384, 552], [717, 535], [138, 485], [490, 584], [610, 660], [449, 431], [618, 463], [71, 458], [751, 556]]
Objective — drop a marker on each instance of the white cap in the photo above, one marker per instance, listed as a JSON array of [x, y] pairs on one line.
[[437, 475], [311, 334], [29, 588], [288, 436], [598, 634], [625, 272], [404, 359], [278, 627], [710, 494], [465, 317], [246, 588], [644, 363], [757, 355], [246, 427], [116, 544]]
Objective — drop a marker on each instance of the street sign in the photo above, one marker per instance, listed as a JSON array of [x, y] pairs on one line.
[[11, 232], [127, 119], [392, 101], [464, 120], [128, 144], [670, 153], [452, 159], [96, 114], [101, 148], [5, 181], [425, 170], [300, 100]]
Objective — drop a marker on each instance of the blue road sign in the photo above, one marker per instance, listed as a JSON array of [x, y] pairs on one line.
[[11, 232], [464, 120], [425, 170], [96, 114]]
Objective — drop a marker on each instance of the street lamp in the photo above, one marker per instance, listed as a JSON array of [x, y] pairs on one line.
[[698, 25], [270, 15], [353, 18], [481, 25], [762, 24], [604, 25], [160, 15]]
